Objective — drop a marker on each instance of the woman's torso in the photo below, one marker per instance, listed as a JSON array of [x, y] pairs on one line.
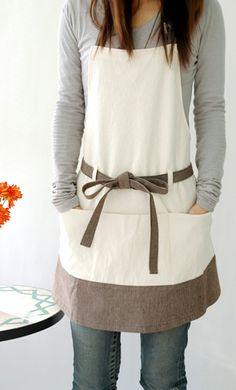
[[87, 34]]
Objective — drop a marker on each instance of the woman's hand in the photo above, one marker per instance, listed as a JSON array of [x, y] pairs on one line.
[[76, 207], [196, 209]]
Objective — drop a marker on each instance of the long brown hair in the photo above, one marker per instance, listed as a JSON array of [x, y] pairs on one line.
[[180, 16]]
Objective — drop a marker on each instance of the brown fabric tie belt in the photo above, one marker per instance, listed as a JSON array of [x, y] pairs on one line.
[[155, 183]]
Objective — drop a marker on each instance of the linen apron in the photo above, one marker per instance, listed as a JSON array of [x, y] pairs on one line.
[[135, 126]]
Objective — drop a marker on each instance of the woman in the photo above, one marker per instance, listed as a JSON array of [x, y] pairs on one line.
[[137, 261]]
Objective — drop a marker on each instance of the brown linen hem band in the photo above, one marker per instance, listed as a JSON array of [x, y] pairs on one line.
[[154, 183], [135, 308]]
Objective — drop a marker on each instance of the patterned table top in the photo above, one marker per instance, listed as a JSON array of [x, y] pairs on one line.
[[25, 310]]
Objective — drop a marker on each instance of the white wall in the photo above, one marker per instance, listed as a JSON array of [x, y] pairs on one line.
[[29, 242]]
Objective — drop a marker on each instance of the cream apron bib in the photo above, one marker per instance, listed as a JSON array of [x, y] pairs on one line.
[[135, 126]]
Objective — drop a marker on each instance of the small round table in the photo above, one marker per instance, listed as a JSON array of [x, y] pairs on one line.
[[25, 310]]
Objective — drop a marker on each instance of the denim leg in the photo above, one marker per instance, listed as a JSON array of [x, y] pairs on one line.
[[162, 359], [96, 358]]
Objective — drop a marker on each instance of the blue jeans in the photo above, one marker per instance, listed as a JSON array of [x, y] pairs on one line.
[[97, 358]]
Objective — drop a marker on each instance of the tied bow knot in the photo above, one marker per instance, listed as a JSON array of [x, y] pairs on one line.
[[126, 179]]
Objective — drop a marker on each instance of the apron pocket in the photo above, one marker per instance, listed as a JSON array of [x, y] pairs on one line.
[[119, 252], [191, 245]]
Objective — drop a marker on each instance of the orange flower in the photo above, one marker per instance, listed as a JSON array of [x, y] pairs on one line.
[[8, 193], [4, 215]]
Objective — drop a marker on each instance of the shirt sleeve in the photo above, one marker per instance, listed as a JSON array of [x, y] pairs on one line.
[[68, 115], [209, 107]]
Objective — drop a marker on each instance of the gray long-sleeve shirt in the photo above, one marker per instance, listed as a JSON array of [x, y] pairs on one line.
[[205, 74]]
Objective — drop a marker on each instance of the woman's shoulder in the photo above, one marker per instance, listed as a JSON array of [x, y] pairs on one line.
[[76, 11], [211, 21], [214, 4], [77, 6], [212, 13]]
